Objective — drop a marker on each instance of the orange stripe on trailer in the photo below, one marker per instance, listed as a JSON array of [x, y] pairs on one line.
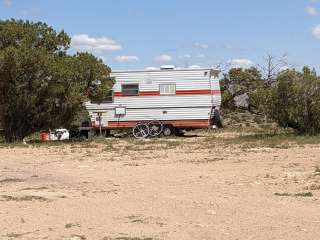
[[191, 123], [193, 92], [127, 124], [149, 93], [178, 92], [216, 92], [177, 123]]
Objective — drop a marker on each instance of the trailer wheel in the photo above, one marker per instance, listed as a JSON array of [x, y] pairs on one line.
[[217, 118], [140, 131], [155, 128], [168, 130]]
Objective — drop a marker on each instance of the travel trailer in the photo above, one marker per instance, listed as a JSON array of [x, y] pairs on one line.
[[165, 101]]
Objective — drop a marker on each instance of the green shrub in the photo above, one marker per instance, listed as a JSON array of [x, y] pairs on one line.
[[293, 100]]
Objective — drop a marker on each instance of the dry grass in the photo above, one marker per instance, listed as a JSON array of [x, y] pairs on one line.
[[247, 137], [208, 183]]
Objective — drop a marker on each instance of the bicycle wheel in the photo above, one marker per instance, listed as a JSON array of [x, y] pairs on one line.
[[155, 128], [141, 130]]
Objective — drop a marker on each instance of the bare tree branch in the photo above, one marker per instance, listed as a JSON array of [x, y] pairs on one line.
[[273, 66]]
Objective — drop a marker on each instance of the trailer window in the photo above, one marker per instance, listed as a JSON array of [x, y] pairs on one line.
[[167, 89], [130, 89]]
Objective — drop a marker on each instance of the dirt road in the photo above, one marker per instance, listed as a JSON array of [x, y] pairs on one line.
[[185, 188]]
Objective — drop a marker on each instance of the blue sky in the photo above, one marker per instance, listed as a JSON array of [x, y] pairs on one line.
[[131, 34]]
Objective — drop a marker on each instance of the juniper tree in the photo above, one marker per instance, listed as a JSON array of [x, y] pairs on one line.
[[41, 86]]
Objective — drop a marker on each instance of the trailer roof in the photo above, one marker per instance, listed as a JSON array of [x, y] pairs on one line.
[[167, 70]]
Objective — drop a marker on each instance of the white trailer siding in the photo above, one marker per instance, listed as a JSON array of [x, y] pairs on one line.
[[158, 102], [149, 81], [197, 92]]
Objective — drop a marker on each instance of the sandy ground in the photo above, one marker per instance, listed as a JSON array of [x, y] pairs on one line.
[[185, 188]]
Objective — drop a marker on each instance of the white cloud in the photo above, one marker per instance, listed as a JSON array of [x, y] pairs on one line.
[[86, 43], [163, 58], [8, 3], [311, 11], [201, 56], [240, 63], [316, 32], [127, 59], [201, 45]]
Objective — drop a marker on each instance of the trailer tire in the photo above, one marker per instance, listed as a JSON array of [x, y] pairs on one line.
[[168, 130], [217, 118]]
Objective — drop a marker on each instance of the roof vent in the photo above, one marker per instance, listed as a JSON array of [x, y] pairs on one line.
[[167, 67]]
